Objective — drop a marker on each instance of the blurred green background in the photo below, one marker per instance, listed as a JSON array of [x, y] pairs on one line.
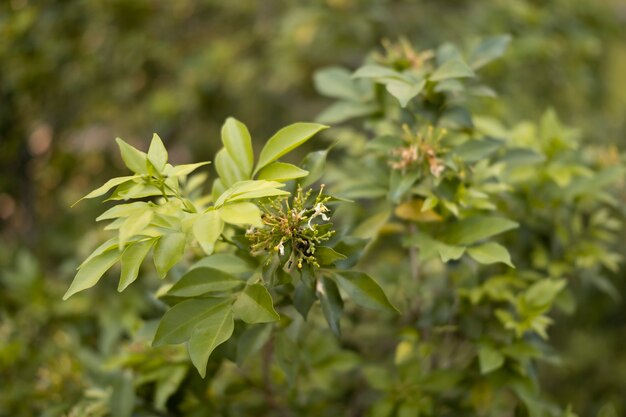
[[76, 73]]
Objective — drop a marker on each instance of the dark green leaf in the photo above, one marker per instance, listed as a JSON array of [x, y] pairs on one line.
[[201, 281], [332, 304], [364, 291]]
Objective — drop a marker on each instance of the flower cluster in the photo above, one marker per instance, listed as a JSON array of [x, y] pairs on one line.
[[419, 147], [401, 55], [293, 231]]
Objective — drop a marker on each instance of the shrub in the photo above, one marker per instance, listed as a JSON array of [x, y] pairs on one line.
[[413, 273]]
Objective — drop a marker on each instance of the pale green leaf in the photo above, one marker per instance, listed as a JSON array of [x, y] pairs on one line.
[[454, 68], [255, 305], [91, 272], [404, 91], [207, 229], [227, 262], [227, 169], [157, 154], [489, 359], [246, 190], [281, 171], [134, 159], [243, 213], [473, 229], [168, 251], [364, 291], [201, 281], [488, 50], [107, 186], [124, 210], [133, 225], [215, 330], [542, 293], [178, 322], [376, 71], [285, 140], [183, 170], [342, 111], [336, 82], [131, 260], [237, 141], [490, 253]]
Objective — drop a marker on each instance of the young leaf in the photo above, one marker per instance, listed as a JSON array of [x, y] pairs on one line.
[[133, 225], [255, 305], [281, 171], [473, 229], [336, 82], [454, 68], [285, 140], [364, 290], [376, 71], [131, 260], [332, 304], [227, 169], [246, 190], [91, 272], [542, 293], [201, 281], [489, 359], [179, 321], [168, 251], [488, 50], [157, 154], [207, 229], [134, 159], [237, 141], [183, 170], [243, 213], [404, 91], [490, 253], [215, 329], [314, 162], [106, 187]]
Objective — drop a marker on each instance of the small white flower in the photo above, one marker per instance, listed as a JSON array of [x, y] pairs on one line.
[[280, 248], [320, 209]]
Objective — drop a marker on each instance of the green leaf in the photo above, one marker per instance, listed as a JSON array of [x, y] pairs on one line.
[[376, 71], [252, 340], [314, 162], [124, 210], [364, 291], [327, 256], [91, 272], [345, 110], [490, 253], [473, 229], [227, 169], [131, 260], [336, 82], [242, 213], [201, 281], [404, 91], [454, 68], [133, 225], [227, 262], [430, 247], [281, 171], [489, 359], [237, 141], [178, 322], [122, 399], [207, 229], [183, 170], [488, 50], [542, 293], [215, 330], [332, 304], [247, 190], [254, 305], [157, 154], [168, 251], [169, 382], [134, 159], [285, 140], [106, 187]]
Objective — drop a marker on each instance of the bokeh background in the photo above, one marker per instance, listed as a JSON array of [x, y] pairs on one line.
[[74, 74]]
